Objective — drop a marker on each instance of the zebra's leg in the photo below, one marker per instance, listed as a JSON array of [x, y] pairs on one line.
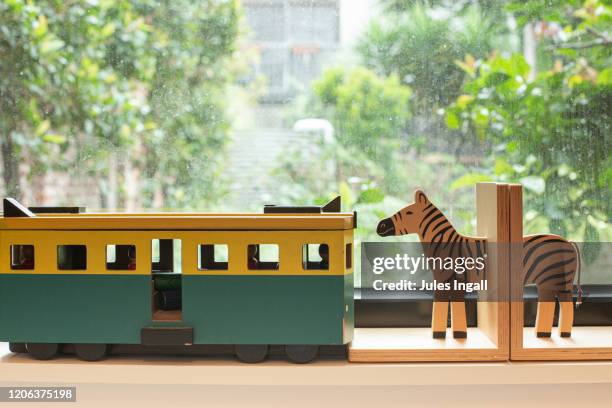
[[566, 313], [439, 318], [458, 320], [546, 313]]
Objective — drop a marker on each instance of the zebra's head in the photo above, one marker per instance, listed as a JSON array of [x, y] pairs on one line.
[[406, 220]]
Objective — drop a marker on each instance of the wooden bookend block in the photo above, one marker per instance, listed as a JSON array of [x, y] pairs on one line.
[[542, 342], [489, 341]]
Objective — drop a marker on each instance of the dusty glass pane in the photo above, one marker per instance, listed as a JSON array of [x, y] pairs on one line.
[[226, 106]]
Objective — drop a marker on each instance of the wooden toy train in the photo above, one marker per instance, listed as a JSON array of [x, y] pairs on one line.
[[284, 277]]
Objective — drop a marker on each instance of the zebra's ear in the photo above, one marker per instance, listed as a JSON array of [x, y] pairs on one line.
[[420, 197]]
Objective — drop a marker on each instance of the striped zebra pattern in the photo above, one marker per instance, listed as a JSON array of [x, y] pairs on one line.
[[550, 262]]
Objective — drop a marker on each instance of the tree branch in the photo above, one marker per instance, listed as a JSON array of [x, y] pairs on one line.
[[580, 45], [603, 36]]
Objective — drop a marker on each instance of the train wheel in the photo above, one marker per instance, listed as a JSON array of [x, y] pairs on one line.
[[42, 351], [91, 351], [251, 353], [301, 354], [18, 348]]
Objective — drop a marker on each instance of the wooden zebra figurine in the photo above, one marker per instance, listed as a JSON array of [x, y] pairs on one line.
[[440, 240], [549, 262]]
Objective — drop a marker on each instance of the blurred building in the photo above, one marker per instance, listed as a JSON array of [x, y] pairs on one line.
[[293, 40]]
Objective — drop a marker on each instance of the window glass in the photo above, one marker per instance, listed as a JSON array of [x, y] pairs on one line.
[[266, 20], [313, 23], [315, 256], [212, 257], [272, 67], [166, 255], [294, 101], [263, 256], [22, 256], [121, 257], [155, 251], [71, 257], [178, 256], [111, 254]]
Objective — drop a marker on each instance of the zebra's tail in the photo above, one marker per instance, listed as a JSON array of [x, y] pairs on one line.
[[578, 270]]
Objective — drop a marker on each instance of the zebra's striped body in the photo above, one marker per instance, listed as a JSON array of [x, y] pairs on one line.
[[549, 261], [440, 239]]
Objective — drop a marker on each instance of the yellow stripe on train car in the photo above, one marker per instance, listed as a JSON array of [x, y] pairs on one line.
[[290, 244]]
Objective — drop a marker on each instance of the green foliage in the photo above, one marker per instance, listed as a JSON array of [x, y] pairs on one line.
[[91, 79], [368, 110], [553, 136], [553, 132], [559, 11], [420, 44], [469, 180], [369, 114]]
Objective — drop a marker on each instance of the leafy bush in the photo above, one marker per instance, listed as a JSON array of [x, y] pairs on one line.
[[553, 132], [369, 114], [140, 84]]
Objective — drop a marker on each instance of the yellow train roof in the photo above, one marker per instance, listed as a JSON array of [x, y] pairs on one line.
[[328, 217], [180, 221]]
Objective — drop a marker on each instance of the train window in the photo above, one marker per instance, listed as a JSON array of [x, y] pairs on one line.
[[212, 257], [166, 255], [349, 256], [315, 256], [121, 257], [71, 257], [263, 256], [22, 256]]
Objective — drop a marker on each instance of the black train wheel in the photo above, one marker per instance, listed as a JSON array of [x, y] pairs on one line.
[[251, 353], [91, 351], [18, 348], [42, 351], [301, 354]]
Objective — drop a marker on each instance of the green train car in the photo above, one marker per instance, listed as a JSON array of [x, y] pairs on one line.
[[283, 277]]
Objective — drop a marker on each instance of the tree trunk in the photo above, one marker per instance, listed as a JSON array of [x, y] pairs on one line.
[[132, 176], [112, 199], [530, 44], [10, 167], [158, 192]]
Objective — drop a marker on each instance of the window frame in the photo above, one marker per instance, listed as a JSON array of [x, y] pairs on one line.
[[57, 253], [200, 259], [265, 263], [15, 267], [106, 263], [170, 255], [306, 261]]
